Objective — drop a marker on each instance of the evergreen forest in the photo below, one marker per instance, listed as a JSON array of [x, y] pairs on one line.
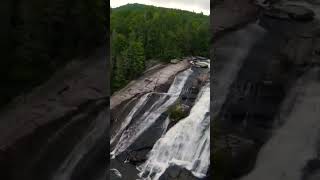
[[142, 33]]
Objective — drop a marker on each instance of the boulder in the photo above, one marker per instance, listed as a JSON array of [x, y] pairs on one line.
[[276, 13], [243, 150], [201, 64], [176, 172], [138, 156], [115, 174], [230, 15], [174, 61], [179, 111], [230, 151], [201, 58], [296, 12]]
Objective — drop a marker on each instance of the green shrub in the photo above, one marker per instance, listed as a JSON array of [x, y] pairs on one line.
[[176, 112]]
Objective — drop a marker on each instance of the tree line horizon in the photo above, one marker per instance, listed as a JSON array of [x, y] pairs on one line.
[[140, 33]]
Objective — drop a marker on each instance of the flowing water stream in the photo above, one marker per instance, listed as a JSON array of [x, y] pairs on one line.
[[293, 144], [136, 122], [186, 144], [85, 146], [295, 141]]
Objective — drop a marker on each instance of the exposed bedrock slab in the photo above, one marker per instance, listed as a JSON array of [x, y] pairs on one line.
[[229, 15], [147, 83], [64, 118], [268, 71], [289, 11]]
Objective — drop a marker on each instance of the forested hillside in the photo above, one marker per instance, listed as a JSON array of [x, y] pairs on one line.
[[140, 33], [38, 36]]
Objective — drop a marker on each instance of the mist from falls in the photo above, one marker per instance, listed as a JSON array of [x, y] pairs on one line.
[[186, 144], [136, 123]]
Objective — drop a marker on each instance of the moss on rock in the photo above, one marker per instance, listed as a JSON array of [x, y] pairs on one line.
[[177, 112]]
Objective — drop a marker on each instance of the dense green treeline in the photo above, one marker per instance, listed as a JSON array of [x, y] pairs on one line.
[[140, 33], [38, 36]]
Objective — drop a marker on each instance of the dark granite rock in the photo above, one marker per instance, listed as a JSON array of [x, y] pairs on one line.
[[115, 174], [296, 12], [175, 172], [228, 15], [243, 150], [229, 154], [288, 49], [54, 121]]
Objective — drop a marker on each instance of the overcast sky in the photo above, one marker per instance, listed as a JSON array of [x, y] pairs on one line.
[[189, 5]]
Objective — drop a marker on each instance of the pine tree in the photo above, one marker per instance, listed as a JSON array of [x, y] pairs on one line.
[[139, 59], [135, 58], [118, 78]]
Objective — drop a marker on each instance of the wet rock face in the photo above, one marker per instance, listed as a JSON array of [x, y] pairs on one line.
[[138, 149], [230, 153], [242, 150], [312, 170], [54, 143], [115, 174], [154, 80], [294, 12], [288, 49], [147, 83], [55, 121], [230, 14]]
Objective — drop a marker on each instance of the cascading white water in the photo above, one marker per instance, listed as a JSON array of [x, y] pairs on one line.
[[186, 144], [141, 123], [142, 101], [231, 51]]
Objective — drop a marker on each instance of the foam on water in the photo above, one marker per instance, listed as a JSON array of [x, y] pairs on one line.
[[142, 123], [142, 101], [186, 144]]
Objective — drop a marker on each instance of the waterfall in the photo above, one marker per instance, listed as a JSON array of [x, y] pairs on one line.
[[86, 144], [293, 144], [231, 52], [142, 101], [141, 122], [186, 144]]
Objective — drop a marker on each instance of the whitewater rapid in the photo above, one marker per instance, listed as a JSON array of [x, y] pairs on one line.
[[139, 122], [186, 144]]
